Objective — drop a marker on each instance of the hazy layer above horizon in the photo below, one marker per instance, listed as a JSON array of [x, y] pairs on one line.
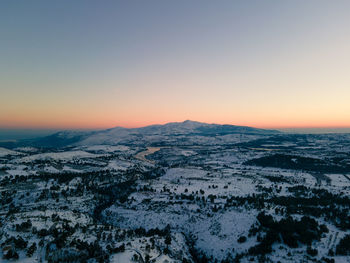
[[21, 134], [315, 130]]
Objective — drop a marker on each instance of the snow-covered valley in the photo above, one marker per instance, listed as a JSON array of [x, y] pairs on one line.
[[178, 197]]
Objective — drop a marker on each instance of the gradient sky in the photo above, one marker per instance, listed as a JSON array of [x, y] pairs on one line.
[[96, 64]]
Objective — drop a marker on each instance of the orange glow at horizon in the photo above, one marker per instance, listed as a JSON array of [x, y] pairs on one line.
[[60, 122]]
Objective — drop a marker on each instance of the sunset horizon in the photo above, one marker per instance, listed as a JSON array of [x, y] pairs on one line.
[[144, 124], [83, 65]]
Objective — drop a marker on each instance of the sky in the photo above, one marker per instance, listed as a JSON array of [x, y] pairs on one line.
[[99, 64]]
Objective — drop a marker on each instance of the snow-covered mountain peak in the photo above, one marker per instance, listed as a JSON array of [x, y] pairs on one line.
[[187, 130]]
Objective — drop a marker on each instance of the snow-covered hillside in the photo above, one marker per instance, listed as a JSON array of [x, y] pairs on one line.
[[186, 132], [180, 192]]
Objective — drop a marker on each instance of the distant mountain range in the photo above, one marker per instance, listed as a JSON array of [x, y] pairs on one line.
[[150, 133]]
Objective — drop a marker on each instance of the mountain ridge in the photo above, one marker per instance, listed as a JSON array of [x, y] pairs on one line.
[[117, 135]]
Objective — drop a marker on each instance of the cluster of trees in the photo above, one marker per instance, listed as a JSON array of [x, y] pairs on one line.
[[12, 244], [343, 248], [277, 179], [78, 251], [295, 162], [12, 179], [7, 196], [288, 230], [317, 202], [24, 226], [304, 201]]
